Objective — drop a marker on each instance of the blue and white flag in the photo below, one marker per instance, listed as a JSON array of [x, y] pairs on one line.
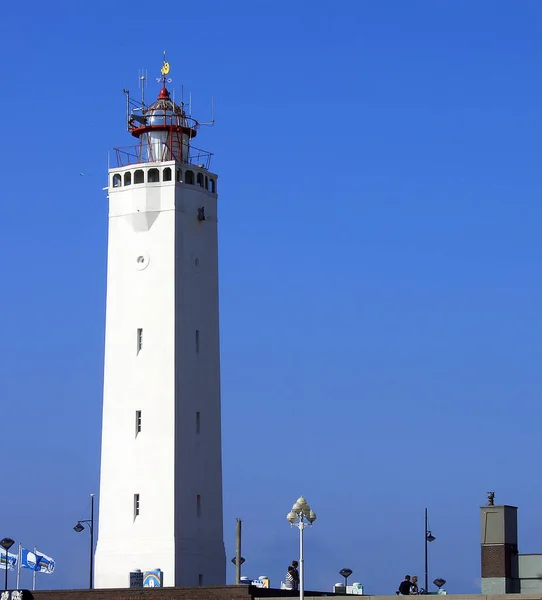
[[46, 564], [37, 561], [12, 561], [29, 560]]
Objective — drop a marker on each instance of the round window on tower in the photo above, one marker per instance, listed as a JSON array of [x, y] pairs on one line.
[[142, 261]]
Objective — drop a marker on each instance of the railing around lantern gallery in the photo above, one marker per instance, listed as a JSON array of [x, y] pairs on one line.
[[159, 152]]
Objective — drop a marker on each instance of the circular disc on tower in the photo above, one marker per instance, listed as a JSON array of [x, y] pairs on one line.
[[142, 261]]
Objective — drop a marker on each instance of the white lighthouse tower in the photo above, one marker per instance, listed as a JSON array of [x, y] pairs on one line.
[[161, 469]]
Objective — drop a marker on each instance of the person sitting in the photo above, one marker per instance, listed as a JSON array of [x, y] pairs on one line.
[[404, 586], [290, 579]]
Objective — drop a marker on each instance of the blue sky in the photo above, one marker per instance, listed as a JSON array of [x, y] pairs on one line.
[[380, 259]]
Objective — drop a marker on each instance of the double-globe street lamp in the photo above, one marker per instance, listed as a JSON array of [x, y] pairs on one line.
[[301, 516], [6, 544]]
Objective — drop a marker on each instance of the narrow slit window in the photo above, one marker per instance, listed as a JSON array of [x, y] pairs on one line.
[[197, 341], [139, 340], [136, 505], [198, 506], [198, 422], [138, 422]]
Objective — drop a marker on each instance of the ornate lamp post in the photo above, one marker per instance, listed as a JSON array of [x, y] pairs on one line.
[[301, 516]]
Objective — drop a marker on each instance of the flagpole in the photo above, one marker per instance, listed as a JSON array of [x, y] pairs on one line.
[[34, 574], [19, 566]]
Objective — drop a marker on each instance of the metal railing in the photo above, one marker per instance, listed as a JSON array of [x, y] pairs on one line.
[[145, 153]]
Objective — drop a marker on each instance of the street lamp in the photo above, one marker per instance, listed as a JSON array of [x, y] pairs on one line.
[[301, 516], [80, 527], [439, 582], [346, 574], [6, 544], [429, 537]]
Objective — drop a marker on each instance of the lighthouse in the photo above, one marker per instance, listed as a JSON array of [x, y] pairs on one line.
[[160, 504]]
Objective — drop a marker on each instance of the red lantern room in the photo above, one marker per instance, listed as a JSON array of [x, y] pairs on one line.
[[164, 130]]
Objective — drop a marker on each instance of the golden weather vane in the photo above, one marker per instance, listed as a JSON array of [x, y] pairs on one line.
[[164, 71], [165, 66]]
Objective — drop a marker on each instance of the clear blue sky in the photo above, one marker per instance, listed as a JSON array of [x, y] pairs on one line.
[[380, 260]]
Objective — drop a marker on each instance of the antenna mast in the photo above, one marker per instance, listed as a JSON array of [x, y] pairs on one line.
[[127, 94], [212, 121], [143, 84]]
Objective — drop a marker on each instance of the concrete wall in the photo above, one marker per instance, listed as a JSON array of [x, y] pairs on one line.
[[499, 525], [495, 585], [530, 573], [530, 566], [446, 597], [233, 592], [140, 294], [503, 569], [499, 550], [162, 278], [240, 592]]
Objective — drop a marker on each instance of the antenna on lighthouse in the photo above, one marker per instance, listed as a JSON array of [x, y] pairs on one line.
[[127, 94], [212, 121], [142, 84]]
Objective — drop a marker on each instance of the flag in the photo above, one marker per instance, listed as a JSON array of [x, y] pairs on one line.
[[12, 561], [46, 564], [29, 560], [37, 561]]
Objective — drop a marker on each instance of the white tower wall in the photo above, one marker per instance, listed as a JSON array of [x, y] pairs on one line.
[[163, 280]]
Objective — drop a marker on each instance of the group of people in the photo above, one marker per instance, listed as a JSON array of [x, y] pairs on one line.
[[408, 586], [292, 576]]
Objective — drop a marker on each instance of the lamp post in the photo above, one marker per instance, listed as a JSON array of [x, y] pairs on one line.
[[301, 516], [346, 574], [80, 527], [6, 544], [429, 537], [238, 557]]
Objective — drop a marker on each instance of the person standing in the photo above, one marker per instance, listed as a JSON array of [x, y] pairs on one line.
[[295, 573], [405, 585]]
